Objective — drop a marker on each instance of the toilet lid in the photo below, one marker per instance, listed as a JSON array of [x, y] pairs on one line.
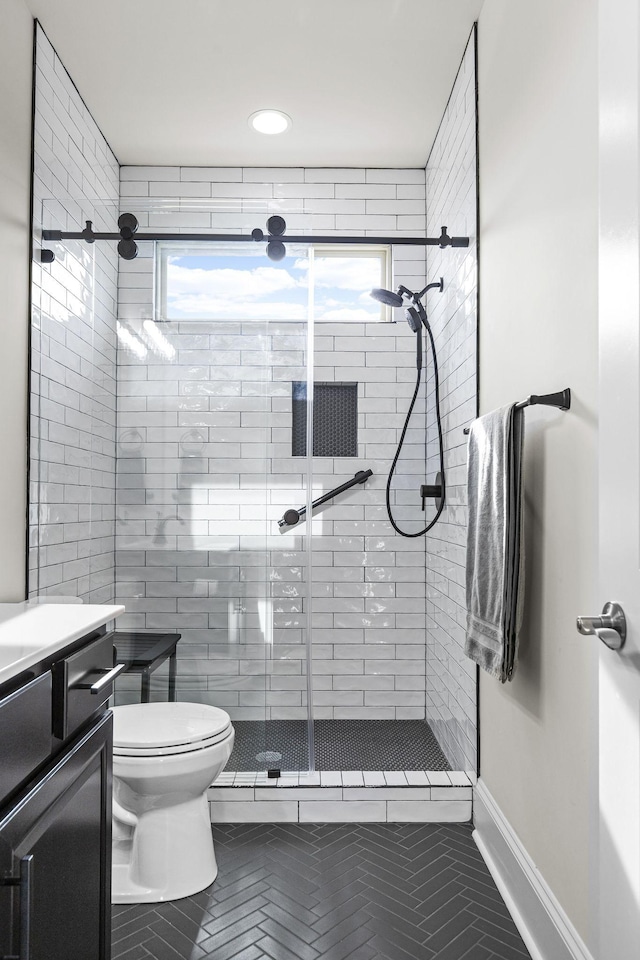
[[227, 736], [154, 726]]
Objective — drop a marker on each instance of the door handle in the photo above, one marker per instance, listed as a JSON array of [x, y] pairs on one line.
[[23, 881], [610, 627]]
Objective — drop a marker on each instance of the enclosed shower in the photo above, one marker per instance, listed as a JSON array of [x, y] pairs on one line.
[[279, 464], [305, 621], [279, 474], [255, 456]]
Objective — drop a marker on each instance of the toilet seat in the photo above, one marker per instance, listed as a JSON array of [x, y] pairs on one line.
[[164, 729]]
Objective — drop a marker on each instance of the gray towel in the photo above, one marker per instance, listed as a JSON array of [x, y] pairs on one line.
[[495, 548]]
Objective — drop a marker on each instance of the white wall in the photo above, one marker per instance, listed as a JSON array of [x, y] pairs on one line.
[[538, 333], [16, 44]]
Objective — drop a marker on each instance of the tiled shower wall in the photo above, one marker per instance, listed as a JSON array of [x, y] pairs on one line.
[[73, 347], [205, 467], [451, 199]]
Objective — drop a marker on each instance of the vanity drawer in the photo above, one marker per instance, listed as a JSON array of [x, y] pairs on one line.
[[25, 725], [82, 683]]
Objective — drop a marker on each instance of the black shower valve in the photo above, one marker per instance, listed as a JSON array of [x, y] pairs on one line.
[[432, 490]]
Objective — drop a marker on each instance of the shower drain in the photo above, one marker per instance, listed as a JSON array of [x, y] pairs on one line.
[[269, 756]]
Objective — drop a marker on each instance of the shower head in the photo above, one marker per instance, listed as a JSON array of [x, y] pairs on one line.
[[413, 318], [415, 315], [397, 299], [387, 297]]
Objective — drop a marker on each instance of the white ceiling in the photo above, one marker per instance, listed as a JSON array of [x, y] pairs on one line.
[[174, 81]]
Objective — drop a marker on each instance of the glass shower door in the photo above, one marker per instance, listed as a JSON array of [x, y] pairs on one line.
[[235, 356], [191, 486]]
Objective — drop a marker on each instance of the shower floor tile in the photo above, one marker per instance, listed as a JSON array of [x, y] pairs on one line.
[[332, 891], [339, 745]]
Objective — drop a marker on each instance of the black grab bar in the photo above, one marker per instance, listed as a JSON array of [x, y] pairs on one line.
[[291, 516]]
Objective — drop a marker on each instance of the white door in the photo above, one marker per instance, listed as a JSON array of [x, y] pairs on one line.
[[619, 456]]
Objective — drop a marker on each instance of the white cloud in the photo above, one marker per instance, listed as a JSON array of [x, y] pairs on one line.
[[344, 273], [227, 284], [343, 285]]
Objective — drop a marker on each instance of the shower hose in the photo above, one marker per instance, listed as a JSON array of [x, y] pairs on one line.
[[420, 533]]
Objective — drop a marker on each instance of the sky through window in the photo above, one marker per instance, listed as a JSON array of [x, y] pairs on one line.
[[245, 285]]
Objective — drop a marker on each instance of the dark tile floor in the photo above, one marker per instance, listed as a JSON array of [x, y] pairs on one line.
[[339, 745], [331, 892]]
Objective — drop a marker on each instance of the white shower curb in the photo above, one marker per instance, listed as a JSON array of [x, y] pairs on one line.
[[342, 797]]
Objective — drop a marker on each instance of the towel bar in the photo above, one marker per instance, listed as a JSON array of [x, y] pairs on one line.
[[561, 400]]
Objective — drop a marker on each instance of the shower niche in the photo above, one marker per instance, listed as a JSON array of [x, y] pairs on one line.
[[335, 419]]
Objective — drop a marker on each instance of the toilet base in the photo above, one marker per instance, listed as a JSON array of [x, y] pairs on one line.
[[167, 855], [128, 892]]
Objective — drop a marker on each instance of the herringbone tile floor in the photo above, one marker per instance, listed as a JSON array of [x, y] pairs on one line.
[[379, 891]]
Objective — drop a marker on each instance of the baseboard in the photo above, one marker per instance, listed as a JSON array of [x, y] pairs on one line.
[[543, 925]]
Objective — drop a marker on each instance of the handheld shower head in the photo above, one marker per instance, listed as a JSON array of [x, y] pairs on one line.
[[387, 297], [413, 318]]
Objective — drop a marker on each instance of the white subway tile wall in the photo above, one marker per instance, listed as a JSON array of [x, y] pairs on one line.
[[451, 200], [73, 347], [205, 467]]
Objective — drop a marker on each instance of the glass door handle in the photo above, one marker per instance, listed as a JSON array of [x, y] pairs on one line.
[[23, 881], [610, 627]]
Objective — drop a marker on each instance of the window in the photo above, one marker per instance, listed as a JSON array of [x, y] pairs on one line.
[[217, 281]]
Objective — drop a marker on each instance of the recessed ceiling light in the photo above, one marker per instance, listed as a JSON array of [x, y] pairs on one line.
[[269, 121]]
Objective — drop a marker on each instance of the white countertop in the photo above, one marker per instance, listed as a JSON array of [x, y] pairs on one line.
[[33, 630]]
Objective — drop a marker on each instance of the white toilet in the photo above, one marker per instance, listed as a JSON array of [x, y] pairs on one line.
[[165, 756]]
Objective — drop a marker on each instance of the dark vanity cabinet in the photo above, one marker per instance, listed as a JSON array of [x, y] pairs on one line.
[[55, 813]]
